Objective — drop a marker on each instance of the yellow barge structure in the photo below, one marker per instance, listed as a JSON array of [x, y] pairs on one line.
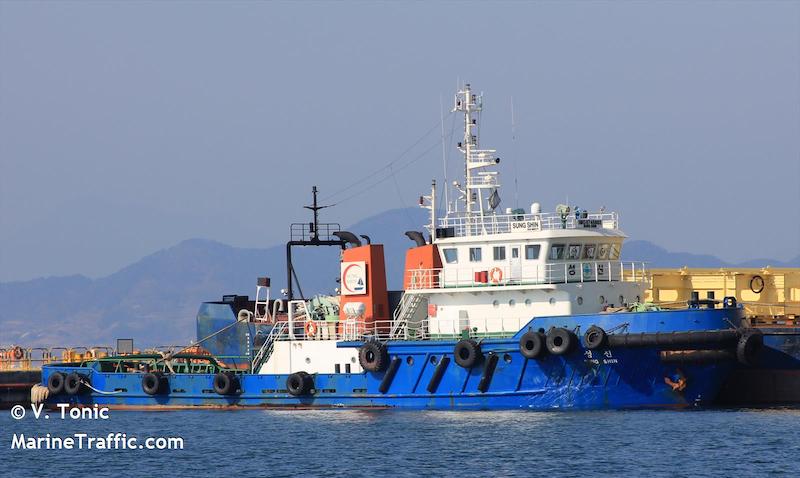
[[771, 299]]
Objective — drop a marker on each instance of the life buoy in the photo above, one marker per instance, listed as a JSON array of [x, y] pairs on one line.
[[496, 275], [18, 353], [311, 328]]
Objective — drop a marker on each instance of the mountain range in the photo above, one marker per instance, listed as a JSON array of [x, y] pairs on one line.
[[154, 300]]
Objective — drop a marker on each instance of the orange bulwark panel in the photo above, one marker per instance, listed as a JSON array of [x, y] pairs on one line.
[[423, 266], [365, 286]]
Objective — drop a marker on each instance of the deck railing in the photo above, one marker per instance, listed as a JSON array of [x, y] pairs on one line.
[[427, 329], [475, 225], [511, 274]]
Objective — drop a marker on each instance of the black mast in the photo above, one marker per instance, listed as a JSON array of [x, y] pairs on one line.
[[308, 234]]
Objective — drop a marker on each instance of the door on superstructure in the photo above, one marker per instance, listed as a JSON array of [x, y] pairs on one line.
[[515, 263]]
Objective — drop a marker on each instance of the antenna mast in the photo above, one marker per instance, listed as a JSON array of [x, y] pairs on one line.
[[481, 184]]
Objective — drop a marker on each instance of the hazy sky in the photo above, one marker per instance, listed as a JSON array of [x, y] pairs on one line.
[[127, 127]]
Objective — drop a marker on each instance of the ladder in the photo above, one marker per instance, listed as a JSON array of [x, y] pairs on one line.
[[403, 313], [266, 348], [261, 301]]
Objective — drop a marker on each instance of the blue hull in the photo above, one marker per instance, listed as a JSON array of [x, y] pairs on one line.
[[606, 378]]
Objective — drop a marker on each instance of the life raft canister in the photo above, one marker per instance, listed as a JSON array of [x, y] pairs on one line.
[[311, 328], [495, 275]]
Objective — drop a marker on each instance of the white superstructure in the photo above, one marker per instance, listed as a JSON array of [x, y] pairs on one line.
[[501, 267]]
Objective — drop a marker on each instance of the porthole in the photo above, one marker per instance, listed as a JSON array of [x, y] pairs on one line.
[[507, 358], [602, 299], [512, 303], [495, 303], [552, 301], [308, 359], [410, 360], [527, 302], [621, 299], [579, 300], [353, 359], [434, 359]]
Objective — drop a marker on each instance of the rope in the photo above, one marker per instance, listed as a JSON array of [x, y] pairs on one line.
[[388, 165], [100, 391]]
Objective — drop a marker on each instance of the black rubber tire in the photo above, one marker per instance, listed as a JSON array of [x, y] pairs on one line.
[[531, 345], [748, 348], [467, 353], [153, 383], [299, 384], [55, 383], [373, 357], [72, 384], [594, 338], [560, 341], [226, 383]]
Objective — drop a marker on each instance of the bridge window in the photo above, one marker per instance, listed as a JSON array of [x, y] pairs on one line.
[[574, 252], [556, 252], [602, 251], [532, 251], [613, 253], [515, 252], [499, 253], [475, 254], [588, 251], [450, 256]]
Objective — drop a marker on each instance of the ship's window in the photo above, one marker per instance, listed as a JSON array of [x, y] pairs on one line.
[[451, 256], [410, 360], [515, 252], [499, 253], [347, 368], [556, 252], [602, 251], [495, 303], [622, 300], [602, 299], [532, 251], [613, 253], [434, 359], [588, 251], [475, 254], [512, 302], [507, 358], [574, 252], [579, 300], [552, 301], [527, 302], [337, 368]]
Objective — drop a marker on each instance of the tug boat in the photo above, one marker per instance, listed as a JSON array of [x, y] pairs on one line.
[[509, 309]]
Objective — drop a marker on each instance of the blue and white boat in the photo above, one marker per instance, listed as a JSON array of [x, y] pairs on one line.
[[501, 309]]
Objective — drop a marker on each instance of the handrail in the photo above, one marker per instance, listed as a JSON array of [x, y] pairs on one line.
[[474, 225], [505, 274]]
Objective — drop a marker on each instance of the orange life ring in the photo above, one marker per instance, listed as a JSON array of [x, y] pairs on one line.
[[311, 328], [18, 353], [496, 275]]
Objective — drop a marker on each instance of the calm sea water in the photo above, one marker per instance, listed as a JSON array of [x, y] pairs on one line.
[[412, 443]]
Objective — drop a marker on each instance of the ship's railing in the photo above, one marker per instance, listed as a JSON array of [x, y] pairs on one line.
[[462, 224], [504, 274], [16, 357], [427, 329]]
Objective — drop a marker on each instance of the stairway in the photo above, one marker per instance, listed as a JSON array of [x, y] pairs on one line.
[[405, 311], [266, 349]]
